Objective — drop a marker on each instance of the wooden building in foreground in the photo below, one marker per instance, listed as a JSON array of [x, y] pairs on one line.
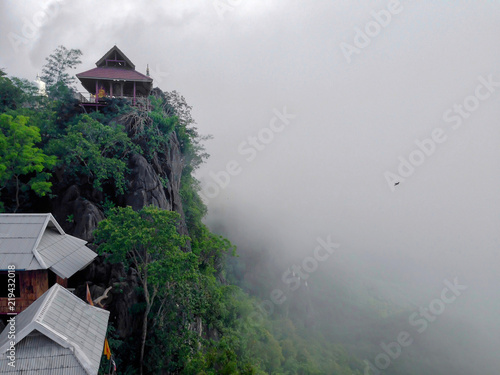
[[42, 255], [59, 334]]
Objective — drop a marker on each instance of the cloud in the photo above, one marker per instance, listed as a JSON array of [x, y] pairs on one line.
[[324, 175]]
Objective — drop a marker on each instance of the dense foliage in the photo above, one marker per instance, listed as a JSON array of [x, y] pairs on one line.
[[96, 151], [23, 165]]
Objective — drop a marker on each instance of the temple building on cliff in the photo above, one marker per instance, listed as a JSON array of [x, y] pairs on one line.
[[114, 77]]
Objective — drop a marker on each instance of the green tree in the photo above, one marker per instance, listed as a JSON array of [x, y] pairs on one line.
[[10, 95], [29, 92], [19, 156], [96, 151], [212, 250], [58, 63], [148, 241]]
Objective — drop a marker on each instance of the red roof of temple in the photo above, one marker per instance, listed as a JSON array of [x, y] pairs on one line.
[[115, 73]]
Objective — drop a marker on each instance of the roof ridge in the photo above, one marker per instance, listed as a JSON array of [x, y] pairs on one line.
[[37, 255], [52, 292], [37, 242], [78, 351], [30, 326]]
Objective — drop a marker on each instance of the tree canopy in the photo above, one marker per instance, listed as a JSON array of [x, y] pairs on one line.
[[148, 240], [57, 66], [94, 150], [19, 156]]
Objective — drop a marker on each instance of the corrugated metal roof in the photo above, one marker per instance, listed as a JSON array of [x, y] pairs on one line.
[[74, 262], [21, 261], [36, 241], [22, 218], [37, 354], [22, 320], [19, 234], [17, 245], [67, 321], [15, 230], [64, 254]]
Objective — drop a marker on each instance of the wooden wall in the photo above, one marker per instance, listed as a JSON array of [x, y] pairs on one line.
[[62, 282], [32, 285]]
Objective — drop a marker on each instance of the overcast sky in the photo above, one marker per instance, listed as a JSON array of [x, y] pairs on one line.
[[323, 172]]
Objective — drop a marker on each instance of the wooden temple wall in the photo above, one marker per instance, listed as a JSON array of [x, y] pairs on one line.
[[32, 284]]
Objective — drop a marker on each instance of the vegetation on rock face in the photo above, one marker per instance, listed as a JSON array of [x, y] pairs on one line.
[[148, 241], [193, 320], [98, 152], [22, 165]]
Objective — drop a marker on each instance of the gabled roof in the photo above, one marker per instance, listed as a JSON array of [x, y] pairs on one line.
[[112, 73], [36, 241], [67, 322], [110, 55]]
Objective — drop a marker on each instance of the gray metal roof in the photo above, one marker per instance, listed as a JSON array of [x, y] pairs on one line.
[[36, 241], [49, 358], [69, 323]]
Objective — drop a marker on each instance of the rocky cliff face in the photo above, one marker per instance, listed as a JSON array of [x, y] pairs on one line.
[[79, 209], [145, 187], [76, 213]]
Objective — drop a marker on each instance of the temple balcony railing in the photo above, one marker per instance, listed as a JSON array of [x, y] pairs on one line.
[[89, 100]]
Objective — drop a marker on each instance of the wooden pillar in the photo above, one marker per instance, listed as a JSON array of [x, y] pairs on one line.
[[96, 90], [122, 89], [110, 89], [134, 92]]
